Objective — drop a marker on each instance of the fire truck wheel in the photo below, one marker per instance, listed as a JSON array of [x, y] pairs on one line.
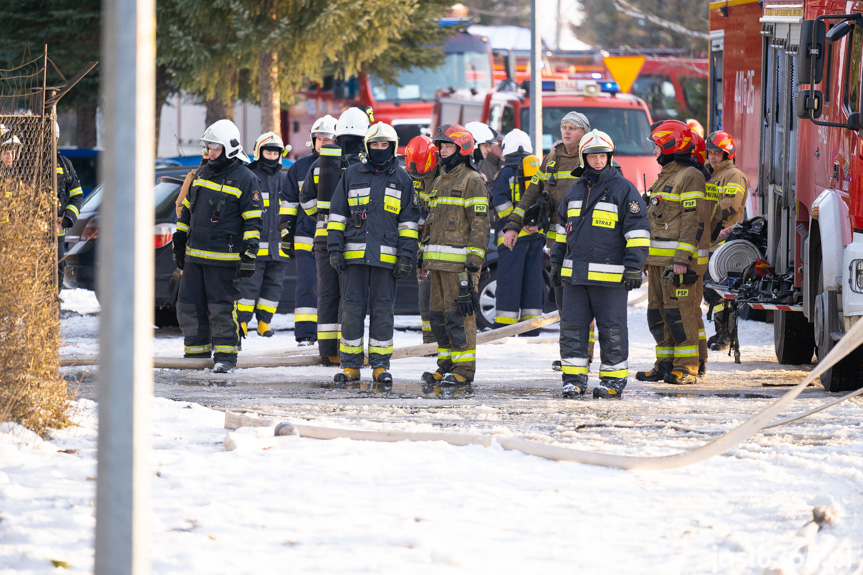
[[845, 375], [793, 338]]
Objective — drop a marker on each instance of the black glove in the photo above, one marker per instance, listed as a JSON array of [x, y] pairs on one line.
[[403, 268], [67, 222], [247, 266], [179, 248], [669, 277], [337, 260], [632, 278], [286, 229], [465, 297], [556, 280], [532, 216]]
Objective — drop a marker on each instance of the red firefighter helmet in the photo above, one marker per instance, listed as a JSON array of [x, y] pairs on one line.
[[421, 156], [458, 135], [695, 126], [672, 136], [699, 149], [722, 141]]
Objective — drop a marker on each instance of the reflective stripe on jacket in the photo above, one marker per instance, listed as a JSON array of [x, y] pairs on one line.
[[677, 216]]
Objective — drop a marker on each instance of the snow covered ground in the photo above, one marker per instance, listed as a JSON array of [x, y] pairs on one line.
[[295, 505]]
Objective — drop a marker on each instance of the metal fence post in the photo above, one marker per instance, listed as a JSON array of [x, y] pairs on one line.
[[535, 127], [126, 288]]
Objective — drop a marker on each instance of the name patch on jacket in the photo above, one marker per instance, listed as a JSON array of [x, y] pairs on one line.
[[603, 222]]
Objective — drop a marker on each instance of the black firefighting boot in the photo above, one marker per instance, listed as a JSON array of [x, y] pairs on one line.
[[432, 377], [721, 340], [609, 388], [575, 387], [348, 375], [381, 375], [223, 367], [679, 377], [264, 329], [244, 329], [455, 380], [330, 361], [702, 368], [556, 365], [655, 374]]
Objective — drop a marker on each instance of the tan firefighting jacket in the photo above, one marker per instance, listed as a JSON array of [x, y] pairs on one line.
[[555, 177], [455, 233], [677, 216], [729, 186]]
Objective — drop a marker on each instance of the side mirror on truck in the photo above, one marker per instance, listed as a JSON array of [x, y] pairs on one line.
[[810, 56]]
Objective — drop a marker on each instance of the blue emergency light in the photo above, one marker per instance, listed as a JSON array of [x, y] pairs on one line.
[[609, 87]]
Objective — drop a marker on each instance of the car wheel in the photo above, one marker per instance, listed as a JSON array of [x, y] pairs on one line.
[[487, 288]]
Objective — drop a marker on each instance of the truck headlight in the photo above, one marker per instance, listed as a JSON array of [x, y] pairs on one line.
[[856, 279]]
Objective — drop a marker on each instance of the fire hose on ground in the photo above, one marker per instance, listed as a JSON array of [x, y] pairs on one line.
[[763, 419]]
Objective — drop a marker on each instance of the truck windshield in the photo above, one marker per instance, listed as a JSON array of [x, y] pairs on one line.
[[628, 127], [458, 70]]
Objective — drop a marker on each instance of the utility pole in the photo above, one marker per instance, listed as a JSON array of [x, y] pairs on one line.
[[535, 124], [125, 381]]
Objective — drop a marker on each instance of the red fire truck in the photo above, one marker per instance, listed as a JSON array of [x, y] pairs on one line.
[[407, 107], [672, 83], [624, 117], [786, 83]]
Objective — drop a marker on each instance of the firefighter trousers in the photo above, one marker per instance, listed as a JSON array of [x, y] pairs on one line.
[[672, 316], [558, 300], [260, 294], [582, 305], [207, 311], [306, 296], [519, 283], [329, 302], [455, 335], [702, 335], [374, 289], [424, 289]]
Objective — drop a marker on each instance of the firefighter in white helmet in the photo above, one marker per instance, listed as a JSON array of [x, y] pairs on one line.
[[261, 292], [519, 270], [487, 164], [217, 240], [598, 258], [315, 198], [372, 242], [300, 233]]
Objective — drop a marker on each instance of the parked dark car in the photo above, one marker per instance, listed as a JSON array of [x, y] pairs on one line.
[[82, 244], [86, 164]]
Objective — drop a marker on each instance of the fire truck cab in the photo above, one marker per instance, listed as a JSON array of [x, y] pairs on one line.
[[799, 106], [624, 117]]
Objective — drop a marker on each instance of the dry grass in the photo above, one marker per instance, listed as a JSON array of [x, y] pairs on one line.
[[32, 393]]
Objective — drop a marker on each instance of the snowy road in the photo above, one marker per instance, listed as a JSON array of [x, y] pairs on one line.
[[296, 505]]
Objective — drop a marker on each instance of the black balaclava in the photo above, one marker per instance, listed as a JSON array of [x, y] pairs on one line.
[[270, 166], [590, 175], [452, 162], [380, 158], [664, 159], [351, 144], [222, 162]]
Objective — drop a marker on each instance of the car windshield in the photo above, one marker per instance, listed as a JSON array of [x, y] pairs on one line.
[[164, 195], [458, 70], [628, 127]]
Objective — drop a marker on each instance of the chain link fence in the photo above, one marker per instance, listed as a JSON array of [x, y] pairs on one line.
[[32, 392]]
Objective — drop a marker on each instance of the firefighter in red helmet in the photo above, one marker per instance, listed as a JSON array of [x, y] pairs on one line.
[[421, 162], [455, 236]]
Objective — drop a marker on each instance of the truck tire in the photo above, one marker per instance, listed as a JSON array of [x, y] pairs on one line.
[[847, 374], [793, 338], [487, 288]]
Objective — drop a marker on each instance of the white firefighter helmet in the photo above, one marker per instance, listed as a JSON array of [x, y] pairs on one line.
[[481, 133], [269, 139], [516, 140], [11, 142], [381, 132], [225, 132], [595, 142], [352, 122], [323, 126]]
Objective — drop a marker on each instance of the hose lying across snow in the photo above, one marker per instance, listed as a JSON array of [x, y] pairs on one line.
[[761, 420]]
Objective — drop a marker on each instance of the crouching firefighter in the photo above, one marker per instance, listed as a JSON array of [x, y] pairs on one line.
[[677, 225], [453, 247], [372, 242], [315, 198], [598, 258], [260, 293], [216, 243]]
